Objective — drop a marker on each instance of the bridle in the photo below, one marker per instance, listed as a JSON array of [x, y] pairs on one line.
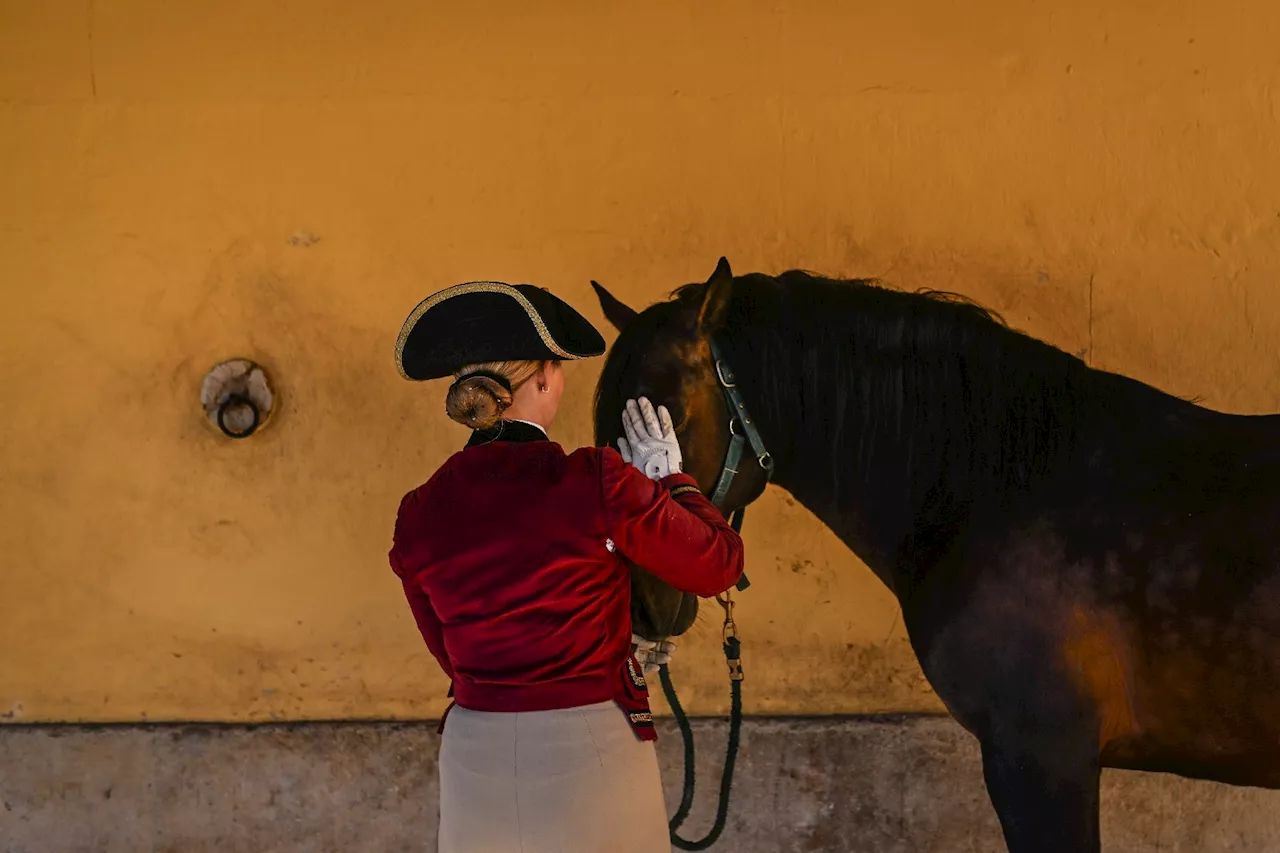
[[742, 433]]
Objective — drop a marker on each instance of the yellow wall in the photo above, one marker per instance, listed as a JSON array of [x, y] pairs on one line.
[[1106, 174]]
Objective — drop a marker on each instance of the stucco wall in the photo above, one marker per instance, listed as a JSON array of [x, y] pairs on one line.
[[185, 182]]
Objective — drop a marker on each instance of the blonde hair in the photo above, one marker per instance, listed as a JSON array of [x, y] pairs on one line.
[[477, 400]]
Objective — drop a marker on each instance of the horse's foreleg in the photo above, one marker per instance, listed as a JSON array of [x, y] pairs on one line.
[[1046, 798], [1002, 661]]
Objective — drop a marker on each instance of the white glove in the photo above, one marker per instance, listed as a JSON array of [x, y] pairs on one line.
[[652, 654], [650, 443]]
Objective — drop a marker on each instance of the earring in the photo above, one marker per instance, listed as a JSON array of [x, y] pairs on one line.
[[542, 388]]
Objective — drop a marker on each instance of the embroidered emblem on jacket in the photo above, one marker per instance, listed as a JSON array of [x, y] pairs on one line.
[[608, 544], [641, 717]]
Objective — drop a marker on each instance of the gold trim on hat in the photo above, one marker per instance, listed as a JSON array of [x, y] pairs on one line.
[[476, 287]]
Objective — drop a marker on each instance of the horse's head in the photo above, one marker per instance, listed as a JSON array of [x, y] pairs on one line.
[[664, 353]]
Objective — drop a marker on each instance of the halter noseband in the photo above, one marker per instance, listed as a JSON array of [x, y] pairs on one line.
[[742, 431]]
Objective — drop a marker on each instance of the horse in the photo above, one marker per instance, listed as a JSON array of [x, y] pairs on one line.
[[1088, 568]]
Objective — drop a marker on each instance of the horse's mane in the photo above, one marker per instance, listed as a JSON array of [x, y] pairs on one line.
[[928, 393]]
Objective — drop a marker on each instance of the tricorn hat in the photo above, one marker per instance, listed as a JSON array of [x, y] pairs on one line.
[[483, 321]]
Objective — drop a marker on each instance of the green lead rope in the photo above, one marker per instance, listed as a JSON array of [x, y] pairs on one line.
[[733, 656]]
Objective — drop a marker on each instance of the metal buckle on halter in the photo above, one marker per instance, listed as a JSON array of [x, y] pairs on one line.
[[729, 381], [726, 603], [732, 648], [766, 460]]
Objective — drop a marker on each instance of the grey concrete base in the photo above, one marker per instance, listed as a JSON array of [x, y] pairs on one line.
[[910, 785]]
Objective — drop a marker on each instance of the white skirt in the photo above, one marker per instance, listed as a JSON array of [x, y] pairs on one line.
[[575, 780]]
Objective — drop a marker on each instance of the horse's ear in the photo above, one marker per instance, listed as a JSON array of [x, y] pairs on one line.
[[715, 301], [614, 311]]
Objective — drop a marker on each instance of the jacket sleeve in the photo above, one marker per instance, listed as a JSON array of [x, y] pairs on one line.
[[669, 528], [428, 624], [424, 614]]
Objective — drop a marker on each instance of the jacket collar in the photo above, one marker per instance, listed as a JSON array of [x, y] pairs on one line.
[[508, 431]]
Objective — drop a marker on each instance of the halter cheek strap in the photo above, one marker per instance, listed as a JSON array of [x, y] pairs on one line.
[[742, 432]]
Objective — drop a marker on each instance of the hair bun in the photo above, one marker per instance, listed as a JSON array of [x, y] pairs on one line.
[[477, 401]]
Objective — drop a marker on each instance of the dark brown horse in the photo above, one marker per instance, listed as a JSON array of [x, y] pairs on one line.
[[1088, 568]]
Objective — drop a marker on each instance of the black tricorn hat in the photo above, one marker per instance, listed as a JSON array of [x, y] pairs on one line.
[[483, 321]]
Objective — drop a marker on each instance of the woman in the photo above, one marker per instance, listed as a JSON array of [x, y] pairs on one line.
[[511, 559]]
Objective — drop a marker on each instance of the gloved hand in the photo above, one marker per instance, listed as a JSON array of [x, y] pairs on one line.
[[652, 654], [650, 443]]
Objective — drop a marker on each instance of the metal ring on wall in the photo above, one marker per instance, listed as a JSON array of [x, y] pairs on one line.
[[238, 401], [238, 398]]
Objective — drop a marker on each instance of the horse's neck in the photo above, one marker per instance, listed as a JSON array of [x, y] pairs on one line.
[[867, 511], [898, 486], [1137, 435]]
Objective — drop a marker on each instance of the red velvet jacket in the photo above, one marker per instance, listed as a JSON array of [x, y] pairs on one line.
[[510, 560]]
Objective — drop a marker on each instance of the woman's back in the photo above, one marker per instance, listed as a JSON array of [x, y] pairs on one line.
[[510, 542]]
